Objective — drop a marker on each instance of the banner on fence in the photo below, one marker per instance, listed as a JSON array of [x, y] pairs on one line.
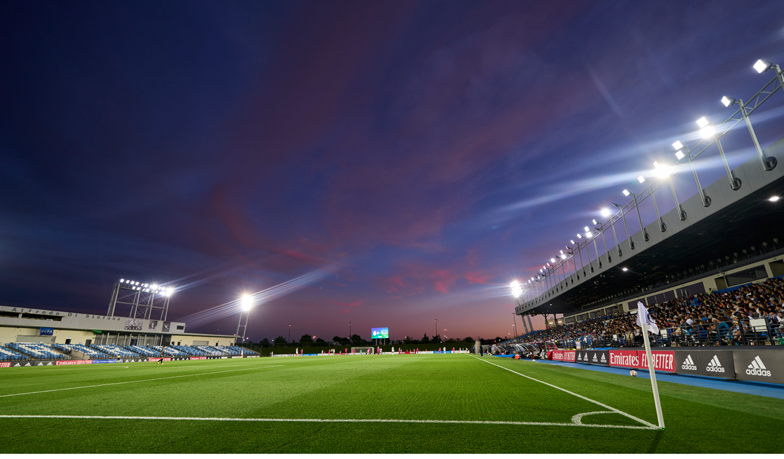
[[662, 360], [759, 365], [74, 362], [5, 364], [705, 363]]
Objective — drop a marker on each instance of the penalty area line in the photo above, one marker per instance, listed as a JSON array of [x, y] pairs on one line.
[[391, 421], [614, 410]]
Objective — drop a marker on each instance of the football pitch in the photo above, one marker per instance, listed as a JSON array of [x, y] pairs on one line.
[[369, 404]]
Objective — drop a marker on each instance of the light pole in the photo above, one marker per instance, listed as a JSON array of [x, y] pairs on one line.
[[349, 331], [289, 333], [246, 303], [436, 326]]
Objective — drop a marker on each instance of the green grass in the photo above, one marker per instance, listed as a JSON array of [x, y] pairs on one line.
[[408, 387]]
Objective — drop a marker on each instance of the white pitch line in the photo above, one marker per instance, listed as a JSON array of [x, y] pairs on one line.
[[399, 421], [137, 381], [641, 421]]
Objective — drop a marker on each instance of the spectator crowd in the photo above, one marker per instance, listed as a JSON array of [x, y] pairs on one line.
[[716, 318]]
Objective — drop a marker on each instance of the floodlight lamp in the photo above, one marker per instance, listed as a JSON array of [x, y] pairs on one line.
[[588, 234], [774, 198], [595, 222], [679, 154], [761, 66], [552, 260], [561, 252], [625, 269], [155, 286], [727, 101], [171, 289], [572, 241], [122, 281], [626, 192], [706, 132], [605, 212], [247, 302], [579, 236], [641, 179], [586, 228], [677, 145], [702, 122]]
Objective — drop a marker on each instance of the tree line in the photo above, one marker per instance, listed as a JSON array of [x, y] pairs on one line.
[[356, 340]]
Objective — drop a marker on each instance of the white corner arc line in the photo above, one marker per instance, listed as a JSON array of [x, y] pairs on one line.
[[391, 421], [615, 410], [137, 381]]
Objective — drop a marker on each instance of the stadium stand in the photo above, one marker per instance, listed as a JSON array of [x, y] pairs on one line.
[[142, 350], [237, 350], [172, 351], [115, 350], [6, 353], [37, 351], [744, 315], [90, 352]]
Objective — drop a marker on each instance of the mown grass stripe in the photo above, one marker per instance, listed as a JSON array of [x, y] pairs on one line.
[[137, 381], [400, 421]]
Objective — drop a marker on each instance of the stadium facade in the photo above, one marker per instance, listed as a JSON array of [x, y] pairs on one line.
[[36, 325]]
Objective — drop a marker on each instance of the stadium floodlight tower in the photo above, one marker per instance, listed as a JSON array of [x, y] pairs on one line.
[[246, 304], [144, 300]]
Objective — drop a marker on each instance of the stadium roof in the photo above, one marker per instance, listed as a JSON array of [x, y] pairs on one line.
[[735, 224]]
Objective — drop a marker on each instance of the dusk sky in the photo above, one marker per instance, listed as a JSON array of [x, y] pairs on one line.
[[384, 163]]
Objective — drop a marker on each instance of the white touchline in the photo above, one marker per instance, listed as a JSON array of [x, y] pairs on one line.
[[402, 421], [137, 381], [615, 410]]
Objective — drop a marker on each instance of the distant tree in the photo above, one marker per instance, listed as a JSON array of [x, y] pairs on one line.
[[337, 339], [425, 339], [436, 339], [357, 340], [468, 340], [265, 343], [280, 341], [320, 342], [306, 340], [407, 339]]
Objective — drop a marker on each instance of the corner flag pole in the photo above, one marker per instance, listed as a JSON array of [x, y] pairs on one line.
[[643, 320]]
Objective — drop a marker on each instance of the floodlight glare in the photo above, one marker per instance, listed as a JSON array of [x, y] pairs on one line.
[[677, 145], [552, 260], [727, 101], [760, 66], [589, 234], [706, 132], [122, 280], [702, 122], [155, 286], [774, 198], [641, 179], [247, 302], [661, 171], [679, 154], [605, 212], [625, 269], [517, 290], [626, 192]]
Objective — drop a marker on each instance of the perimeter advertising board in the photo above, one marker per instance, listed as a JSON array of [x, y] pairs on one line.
[[705, 363], [759, 365], [662, 360]]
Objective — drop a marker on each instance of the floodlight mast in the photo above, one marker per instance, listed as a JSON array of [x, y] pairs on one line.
[[768, 163], [679, 147], [142, 298], [707, 131], [246, 304]]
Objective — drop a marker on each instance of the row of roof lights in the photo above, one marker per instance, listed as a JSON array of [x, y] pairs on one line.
[[154, 288], [662, 171]]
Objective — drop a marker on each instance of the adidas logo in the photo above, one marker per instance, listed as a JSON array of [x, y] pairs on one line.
[[579, 357], [603, 360], [757, 368], [715, 366], [688, 364], [594, 358]]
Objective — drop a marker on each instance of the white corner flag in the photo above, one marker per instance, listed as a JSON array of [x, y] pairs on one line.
[[643, 318], [647, 324]]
